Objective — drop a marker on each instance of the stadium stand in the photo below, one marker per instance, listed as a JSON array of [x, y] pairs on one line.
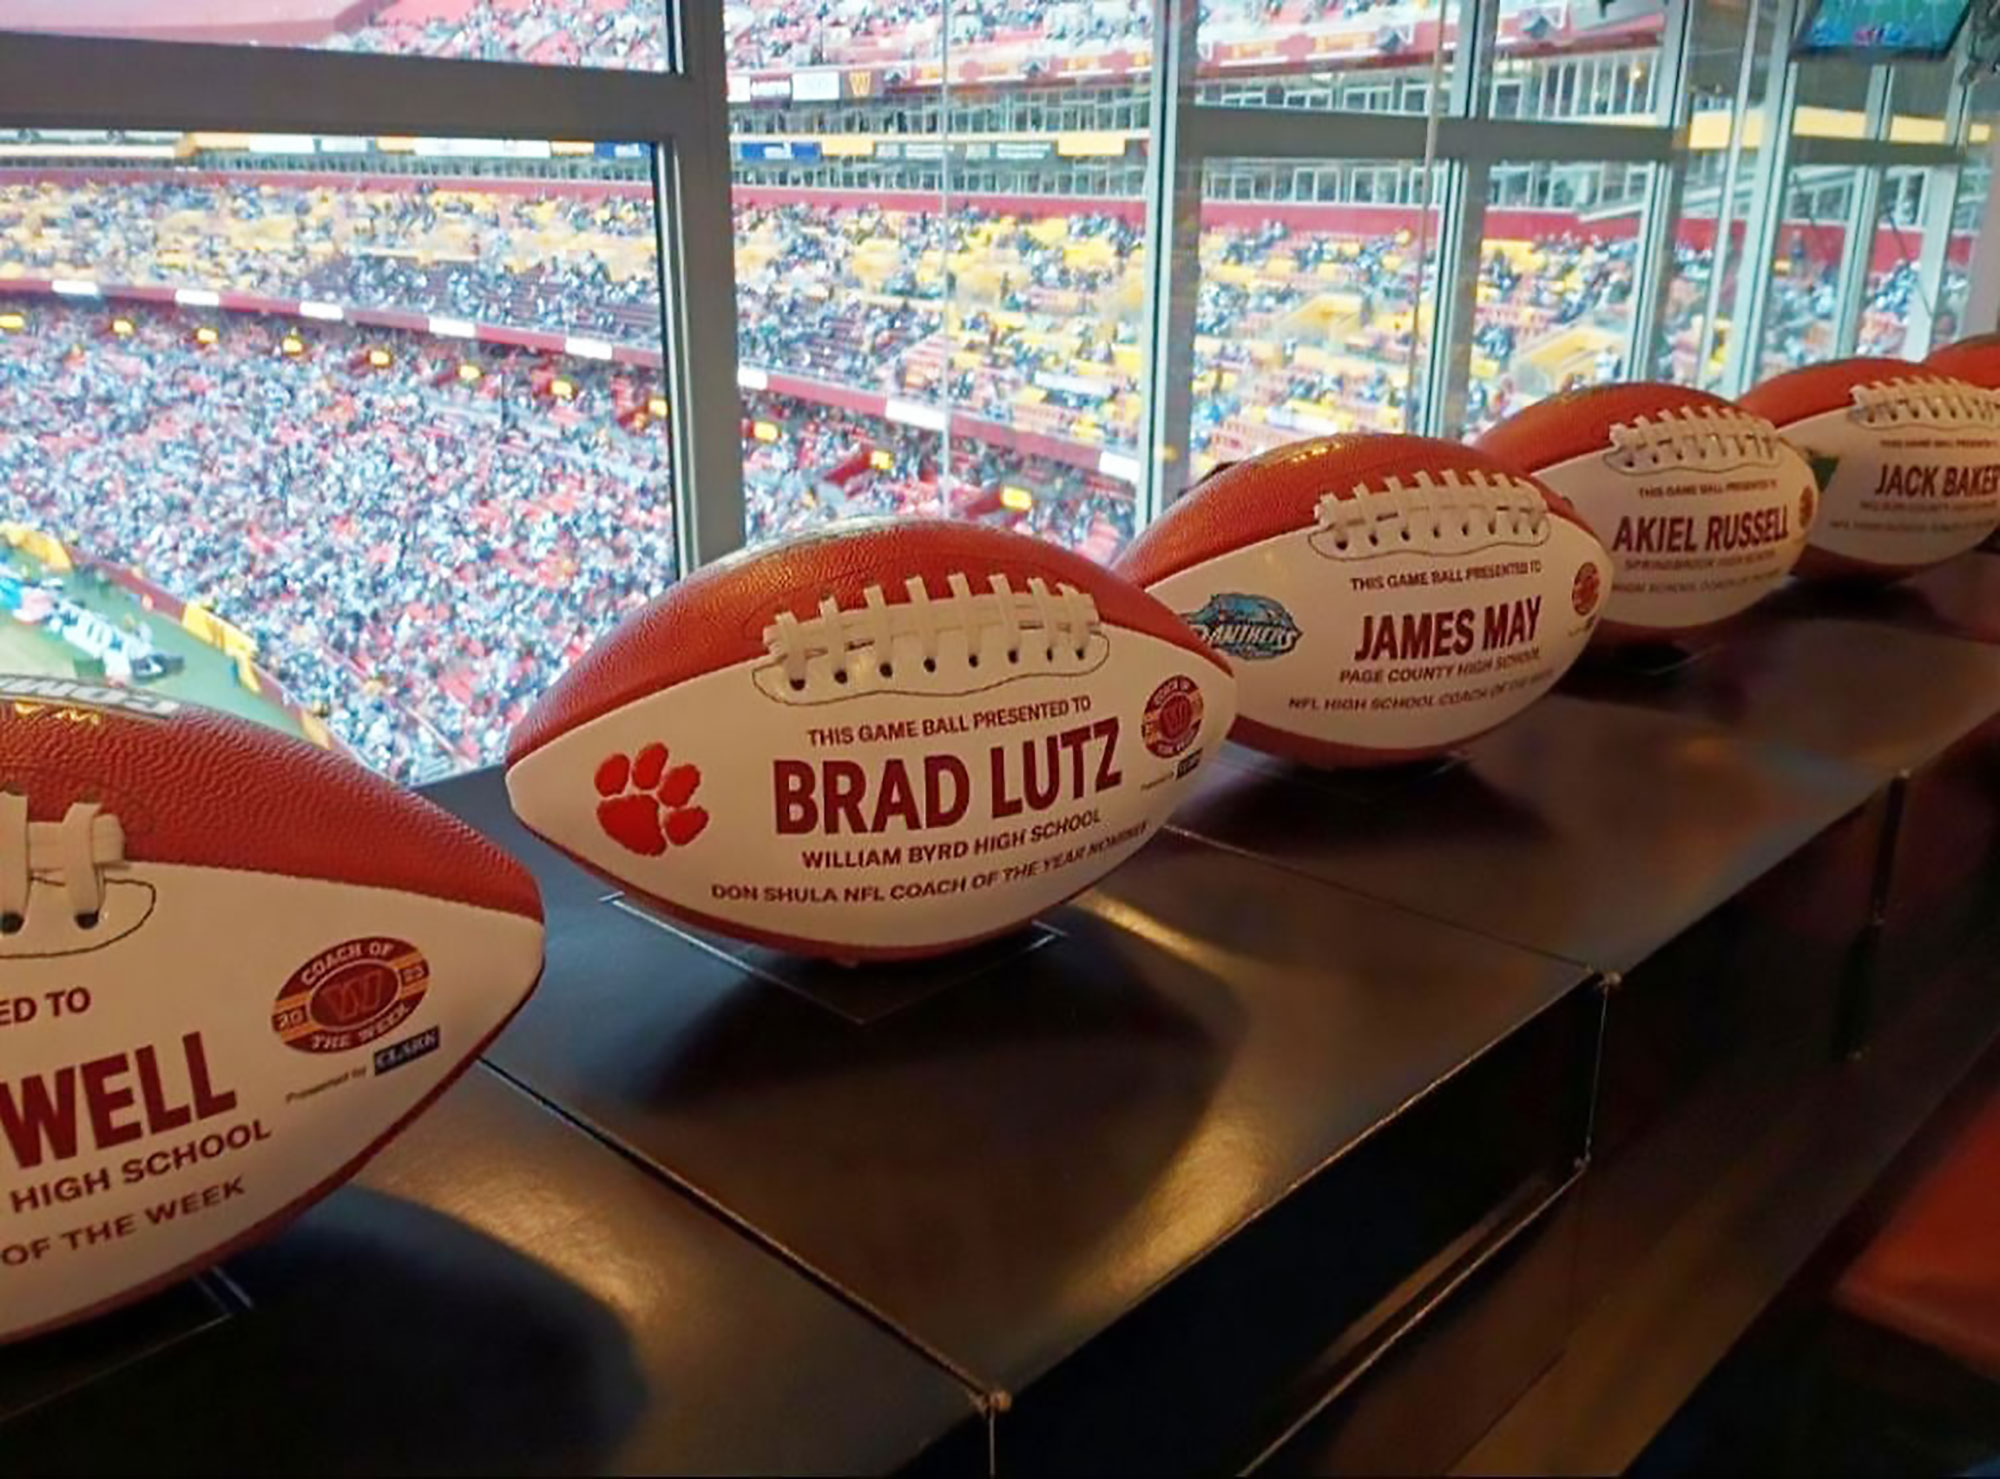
[[1304, 322], [767, 37], [806, 464], [220, 471], [564, 33], [1011, 37], [580, 261], [268, 470], [414, 554]]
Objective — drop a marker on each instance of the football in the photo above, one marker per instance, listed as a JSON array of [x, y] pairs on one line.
[[1907, 461], [1703, 507], [1976, 361], [232, 967], [888, 740], [1383, 598]]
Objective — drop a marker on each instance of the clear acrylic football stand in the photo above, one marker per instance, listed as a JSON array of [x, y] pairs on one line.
[[1461, 1114]]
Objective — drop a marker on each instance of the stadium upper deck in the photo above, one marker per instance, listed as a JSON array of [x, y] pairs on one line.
[[851, 49], [1019, 312], [875, 311]]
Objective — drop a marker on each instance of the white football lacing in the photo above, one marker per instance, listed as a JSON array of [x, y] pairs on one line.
[[76, 850], [1923, 401], [1698, 436], [861, 643], [1446, 512]]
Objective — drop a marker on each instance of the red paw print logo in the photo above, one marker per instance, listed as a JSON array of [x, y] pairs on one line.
[[645, 807]]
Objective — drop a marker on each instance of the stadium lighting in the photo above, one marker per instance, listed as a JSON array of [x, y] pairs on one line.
[[1016, 500], [380, 359], [206, 336], [13, 323], [469, 372], [123, 328]]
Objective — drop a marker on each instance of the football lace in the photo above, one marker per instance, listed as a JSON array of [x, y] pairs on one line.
[[1943, 402], [1054, 625], [1432, 508], [1692, 435], [78, 850]]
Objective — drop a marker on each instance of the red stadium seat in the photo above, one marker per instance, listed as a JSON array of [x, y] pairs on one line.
[[1933, 1274]]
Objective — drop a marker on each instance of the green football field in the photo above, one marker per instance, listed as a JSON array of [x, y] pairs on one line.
[[209, 677]]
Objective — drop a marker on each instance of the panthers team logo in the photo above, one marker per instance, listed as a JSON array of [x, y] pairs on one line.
[[1249, 627]]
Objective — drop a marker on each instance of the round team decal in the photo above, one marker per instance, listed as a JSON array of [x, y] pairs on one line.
[[1252, 628], [1587, 589], [350, 995], [1173, 717]]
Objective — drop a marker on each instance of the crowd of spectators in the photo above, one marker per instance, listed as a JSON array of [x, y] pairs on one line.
[[1805, 301], [1534, 298], [1885, 319], [628, 34], [816, 464], [579, 262], [1249, 335], [763, 36], [225, 472], [1031, 322], [1893, 296], [418, 553], [813, 33], [416, 556], [898, 301], [1803, 310]]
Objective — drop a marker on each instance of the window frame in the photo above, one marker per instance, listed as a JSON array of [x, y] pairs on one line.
[[1472, 128], [50, 81]]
